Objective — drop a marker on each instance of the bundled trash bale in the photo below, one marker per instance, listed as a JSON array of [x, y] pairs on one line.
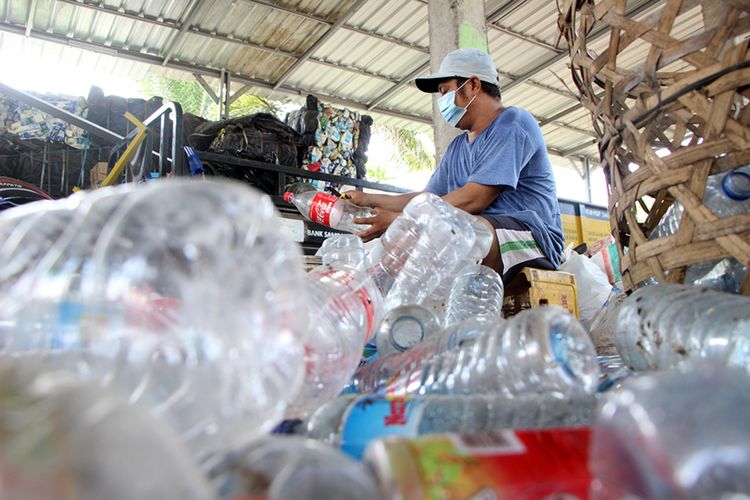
[[336, 139]]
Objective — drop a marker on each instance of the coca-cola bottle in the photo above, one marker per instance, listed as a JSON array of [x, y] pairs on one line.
[[329, 210]]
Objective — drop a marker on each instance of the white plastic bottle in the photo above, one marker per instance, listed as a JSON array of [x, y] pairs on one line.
[[181, 294], [329, 210]]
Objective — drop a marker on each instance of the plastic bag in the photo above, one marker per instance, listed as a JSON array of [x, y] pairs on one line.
[[591, 282]]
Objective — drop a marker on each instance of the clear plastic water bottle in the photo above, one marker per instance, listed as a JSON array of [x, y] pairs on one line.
[[539, 350], [351, 423], [477, 291], [181, 294], [404, 327], [294, 467], [437, 301], [377, 374], [329, 210], [445, 237], [61, 437], [342, 249], [726, 195], [680, 433], [345, 308], [661, 325]]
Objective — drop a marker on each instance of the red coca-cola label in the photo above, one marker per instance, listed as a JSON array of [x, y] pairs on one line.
[[321, 208]]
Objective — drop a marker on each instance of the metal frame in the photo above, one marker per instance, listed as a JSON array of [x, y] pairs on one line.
[[101, 133], [296, 172]]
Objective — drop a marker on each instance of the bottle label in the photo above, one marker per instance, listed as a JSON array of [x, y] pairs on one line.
[[371, 417], [321, 208], [508, 464]]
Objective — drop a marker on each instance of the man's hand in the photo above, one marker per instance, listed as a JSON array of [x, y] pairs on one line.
[[378, 224], [359, 198]]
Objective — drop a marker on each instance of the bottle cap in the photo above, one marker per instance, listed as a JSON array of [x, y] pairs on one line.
[[288, 197], [736, 185]]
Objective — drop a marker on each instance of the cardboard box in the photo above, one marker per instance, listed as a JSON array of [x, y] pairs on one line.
[[536, 287], [98, 173]]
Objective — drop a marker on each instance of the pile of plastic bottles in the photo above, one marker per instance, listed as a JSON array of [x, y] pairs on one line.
[[158, 341]]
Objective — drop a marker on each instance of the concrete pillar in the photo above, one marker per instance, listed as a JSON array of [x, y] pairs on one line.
[[454, 24]]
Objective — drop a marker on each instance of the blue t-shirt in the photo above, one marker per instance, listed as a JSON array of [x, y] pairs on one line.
[[510, 153]]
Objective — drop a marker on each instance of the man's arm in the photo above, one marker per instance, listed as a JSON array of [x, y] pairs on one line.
[[473, 197], [389, 202]]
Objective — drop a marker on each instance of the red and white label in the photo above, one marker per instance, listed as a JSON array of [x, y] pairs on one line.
[[321, 208]]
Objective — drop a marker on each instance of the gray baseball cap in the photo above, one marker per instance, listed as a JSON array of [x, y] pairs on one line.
[[463, 63]]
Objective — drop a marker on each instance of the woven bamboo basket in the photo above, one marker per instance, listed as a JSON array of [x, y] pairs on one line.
[[669, 100]]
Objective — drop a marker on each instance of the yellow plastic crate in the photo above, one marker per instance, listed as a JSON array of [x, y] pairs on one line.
[[536, 287]]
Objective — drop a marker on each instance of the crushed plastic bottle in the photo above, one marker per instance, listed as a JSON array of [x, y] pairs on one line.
[[404, 327], [438, 236], [351, 422], [329, 210], [726, 195], [539, 350], [63, 438], [680, 433], [345, 308], [292, 467], [181, 294], [477, 292], [342, 249], [659, 326], [437, 301]]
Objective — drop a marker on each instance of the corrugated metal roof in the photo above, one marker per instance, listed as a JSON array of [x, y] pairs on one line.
[[367, 62]]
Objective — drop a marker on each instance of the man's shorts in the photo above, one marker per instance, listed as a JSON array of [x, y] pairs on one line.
[[518, 248]]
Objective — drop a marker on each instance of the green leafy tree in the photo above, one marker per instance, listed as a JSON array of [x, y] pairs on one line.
[[411, 152], [195, 100]]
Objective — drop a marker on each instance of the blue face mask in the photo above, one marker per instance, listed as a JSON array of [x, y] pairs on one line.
[[450, 110]]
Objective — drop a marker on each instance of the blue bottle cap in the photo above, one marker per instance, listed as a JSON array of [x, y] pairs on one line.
[[736, 185]]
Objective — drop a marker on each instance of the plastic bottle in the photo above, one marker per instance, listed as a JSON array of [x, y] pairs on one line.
[[378, 373], [680, 433], [540, 350], [661, 325], [404, 327], [352, 422], [181, 294], [726, 195], [329, 210], [342, 249], [345, 307], [437, 301], [64, 438], [292, 467], [445, 237], [477, 291]]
